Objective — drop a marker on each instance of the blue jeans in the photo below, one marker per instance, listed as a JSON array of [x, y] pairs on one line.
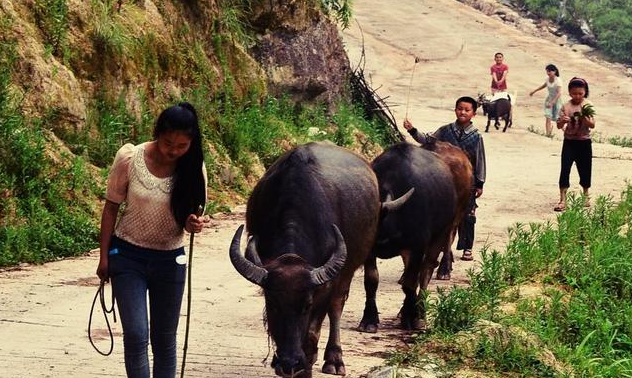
[[134, 272]]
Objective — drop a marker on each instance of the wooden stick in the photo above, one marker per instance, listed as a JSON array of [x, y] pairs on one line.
[[412, 75]]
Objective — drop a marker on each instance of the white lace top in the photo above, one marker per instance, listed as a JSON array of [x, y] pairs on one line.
[[147, 220]]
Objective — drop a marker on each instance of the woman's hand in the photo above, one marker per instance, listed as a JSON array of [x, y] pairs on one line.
[[408, 125], [103, 269], [195, 224]]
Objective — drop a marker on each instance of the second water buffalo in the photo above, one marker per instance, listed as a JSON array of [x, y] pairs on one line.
[[418, 230]]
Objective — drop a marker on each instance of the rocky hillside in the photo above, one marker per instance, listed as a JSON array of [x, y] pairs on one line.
[[78, 78]]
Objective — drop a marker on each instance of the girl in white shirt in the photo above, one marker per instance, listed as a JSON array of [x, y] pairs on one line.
[[553, 101]]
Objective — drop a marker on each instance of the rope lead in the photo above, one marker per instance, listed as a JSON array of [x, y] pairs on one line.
[[101, 295]]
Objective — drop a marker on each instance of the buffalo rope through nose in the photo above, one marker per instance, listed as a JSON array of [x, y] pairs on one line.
[[101, 295]]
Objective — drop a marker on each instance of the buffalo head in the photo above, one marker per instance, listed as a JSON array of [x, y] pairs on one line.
[[290, 286]]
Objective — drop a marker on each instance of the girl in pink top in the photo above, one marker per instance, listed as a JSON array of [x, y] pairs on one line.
[[577, 146], [499, 71]]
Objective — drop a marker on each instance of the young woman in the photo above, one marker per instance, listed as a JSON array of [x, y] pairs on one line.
[[553, 101], [577, 146], [161, 183]]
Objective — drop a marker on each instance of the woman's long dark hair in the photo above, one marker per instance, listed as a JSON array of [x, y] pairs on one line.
[[188, 190]]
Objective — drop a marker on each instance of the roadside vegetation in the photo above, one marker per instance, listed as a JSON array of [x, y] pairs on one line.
[[610, 21], [46, 195], [52, 178], [556, 303]]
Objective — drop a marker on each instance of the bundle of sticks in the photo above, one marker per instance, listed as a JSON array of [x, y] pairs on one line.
[[375, 106]]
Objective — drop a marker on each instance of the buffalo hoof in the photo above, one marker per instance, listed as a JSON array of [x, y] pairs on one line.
[[505, 129], [370, 319], [334, 368], [367, 327], [411, 323], [443, 276], [487, 129], [299, 374], [497, 127]]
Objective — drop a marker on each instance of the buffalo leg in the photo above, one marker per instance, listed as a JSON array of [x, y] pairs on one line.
[[333, 352], [310, 348], [445, 267], [496, 123], [410, 316], [370, 318], [428, 265], [405, 254]]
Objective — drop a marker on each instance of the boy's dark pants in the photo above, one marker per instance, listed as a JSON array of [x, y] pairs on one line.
[[579, 152], [466, 228]]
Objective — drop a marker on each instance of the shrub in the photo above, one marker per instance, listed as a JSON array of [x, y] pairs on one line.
[[52, 19]]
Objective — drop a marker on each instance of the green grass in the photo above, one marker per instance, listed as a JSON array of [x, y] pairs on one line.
[[620, 141], [577, 323], [44, 214], [52, 19], [108, 35]]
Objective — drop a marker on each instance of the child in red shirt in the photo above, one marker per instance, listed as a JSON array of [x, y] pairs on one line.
[[499, 72]]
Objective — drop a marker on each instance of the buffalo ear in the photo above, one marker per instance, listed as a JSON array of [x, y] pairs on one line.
[[249, 270], [392, 205], [334, 265]]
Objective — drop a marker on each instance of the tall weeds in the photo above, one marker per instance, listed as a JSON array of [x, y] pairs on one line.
[[582, 313], [43, 212], [52, 19]]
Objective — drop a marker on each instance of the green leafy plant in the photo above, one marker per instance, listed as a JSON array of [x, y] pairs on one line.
[[579, 322], [588, 111], [52, 19], [108, 35], [341, 9]]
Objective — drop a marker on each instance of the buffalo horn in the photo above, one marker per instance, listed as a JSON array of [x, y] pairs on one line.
[[396, 204], [251, 252], [250, 271], [335, 263]]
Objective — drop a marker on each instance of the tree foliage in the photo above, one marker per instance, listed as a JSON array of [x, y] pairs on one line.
[[609, 20]]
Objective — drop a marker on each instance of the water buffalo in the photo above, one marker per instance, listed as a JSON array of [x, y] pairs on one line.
[[461, 169], [418, 231], [496, 109], [312, 219]]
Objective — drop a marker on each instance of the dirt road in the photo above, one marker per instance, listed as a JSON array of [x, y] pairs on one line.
[[44, 309]]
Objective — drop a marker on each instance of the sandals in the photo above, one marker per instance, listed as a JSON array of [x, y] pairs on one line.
[[467, 255], [560, 207]]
